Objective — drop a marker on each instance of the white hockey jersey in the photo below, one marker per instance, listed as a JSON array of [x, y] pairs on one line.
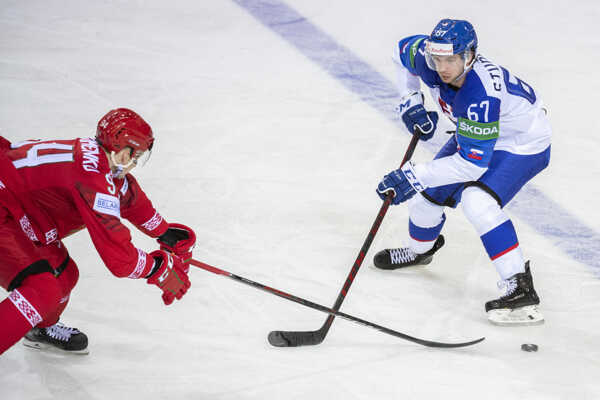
[[493, 110]]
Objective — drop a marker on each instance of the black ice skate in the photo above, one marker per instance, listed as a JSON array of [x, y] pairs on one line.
[[519, 305], [405, 257], [57, 337]]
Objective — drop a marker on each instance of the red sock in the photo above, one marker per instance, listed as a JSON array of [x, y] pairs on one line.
[[25, 307]]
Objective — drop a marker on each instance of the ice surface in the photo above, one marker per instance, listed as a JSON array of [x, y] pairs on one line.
[[271, 137]]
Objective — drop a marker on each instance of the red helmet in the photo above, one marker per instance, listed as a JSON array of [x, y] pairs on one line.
[[122, 128]]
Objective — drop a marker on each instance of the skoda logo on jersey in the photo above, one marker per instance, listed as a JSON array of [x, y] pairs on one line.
[[477, 130]]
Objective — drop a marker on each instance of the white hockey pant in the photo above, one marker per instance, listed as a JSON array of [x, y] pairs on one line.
[[482, 211]]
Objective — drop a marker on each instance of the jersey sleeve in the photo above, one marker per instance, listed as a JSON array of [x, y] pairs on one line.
[[406, 82], [100, 211], [408, 52], [411, 69], [138, 209], [4, 144]]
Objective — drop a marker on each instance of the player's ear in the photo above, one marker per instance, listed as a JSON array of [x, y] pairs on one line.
[[470, 56]]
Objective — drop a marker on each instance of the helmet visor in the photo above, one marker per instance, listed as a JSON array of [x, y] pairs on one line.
[[140, 158], [437, 52]]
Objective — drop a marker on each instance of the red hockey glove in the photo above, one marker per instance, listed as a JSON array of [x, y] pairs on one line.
[[180, 240], [169, 276]]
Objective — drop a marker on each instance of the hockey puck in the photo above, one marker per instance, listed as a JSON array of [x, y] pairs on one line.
[[529, 347]]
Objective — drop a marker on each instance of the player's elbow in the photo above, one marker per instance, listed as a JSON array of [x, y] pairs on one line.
[[118, 272]]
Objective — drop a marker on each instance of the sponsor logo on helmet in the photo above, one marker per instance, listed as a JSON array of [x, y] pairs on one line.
[[478, 130], [439, 49]]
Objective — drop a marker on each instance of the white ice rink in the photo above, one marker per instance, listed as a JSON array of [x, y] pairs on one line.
[[273, 129]]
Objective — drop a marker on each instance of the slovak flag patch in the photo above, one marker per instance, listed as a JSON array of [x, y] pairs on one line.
[[475, 154]]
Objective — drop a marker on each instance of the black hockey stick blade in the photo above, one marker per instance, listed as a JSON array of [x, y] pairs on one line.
[[295, 339], [312, 338]]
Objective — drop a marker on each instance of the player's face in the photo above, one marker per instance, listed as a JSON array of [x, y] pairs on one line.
[[127, 159], [449, 67]]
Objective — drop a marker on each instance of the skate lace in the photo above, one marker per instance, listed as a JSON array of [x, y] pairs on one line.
[[402, 255], [61, 332], [508, 285]]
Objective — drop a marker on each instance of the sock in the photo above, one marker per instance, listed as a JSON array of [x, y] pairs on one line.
[[27, 306]]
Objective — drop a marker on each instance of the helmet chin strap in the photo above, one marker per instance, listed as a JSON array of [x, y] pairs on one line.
[[467, 68], [119, 168]]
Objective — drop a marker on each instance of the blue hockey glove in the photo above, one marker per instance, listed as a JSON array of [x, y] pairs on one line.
[[417, 116], [403, 183]]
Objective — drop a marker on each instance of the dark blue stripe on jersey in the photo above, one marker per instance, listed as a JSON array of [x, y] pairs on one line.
[[564, 230], [425, 234], [500, 240]]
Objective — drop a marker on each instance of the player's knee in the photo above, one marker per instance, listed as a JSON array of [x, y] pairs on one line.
[[69, 276], [481, 209], [424, 213], [43, 291]]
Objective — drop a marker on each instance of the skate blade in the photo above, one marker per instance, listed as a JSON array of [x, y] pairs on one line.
[[47, 348], [523, 316]]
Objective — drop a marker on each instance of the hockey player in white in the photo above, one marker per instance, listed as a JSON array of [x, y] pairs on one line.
[[502, 140]]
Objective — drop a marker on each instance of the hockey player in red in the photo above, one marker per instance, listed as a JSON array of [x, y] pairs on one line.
[[50, 189]]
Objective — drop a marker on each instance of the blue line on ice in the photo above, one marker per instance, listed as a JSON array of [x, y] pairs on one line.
[[548, 218]]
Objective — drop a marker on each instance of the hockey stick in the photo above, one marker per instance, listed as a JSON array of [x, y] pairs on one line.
[[311, 338], [327, 310]]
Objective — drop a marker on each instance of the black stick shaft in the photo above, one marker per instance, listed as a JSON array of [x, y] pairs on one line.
[[367, 243], [327, 310]]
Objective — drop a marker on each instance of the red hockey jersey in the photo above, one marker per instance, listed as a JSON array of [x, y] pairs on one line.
[[64, 186]]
